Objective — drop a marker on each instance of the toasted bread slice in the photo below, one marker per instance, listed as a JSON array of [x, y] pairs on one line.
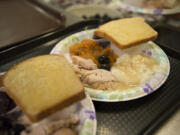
[[43, 85], [127, 32]]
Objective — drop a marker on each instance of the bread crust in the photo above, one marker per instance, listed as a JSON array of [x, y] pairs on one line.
[[101, 32], [74, 98], [105, 35], [49, 111]]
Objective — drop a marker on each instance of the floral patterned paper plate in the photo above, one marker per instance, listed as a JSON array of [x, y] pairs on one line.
[[135, 6], [85, 111], [150, 48]]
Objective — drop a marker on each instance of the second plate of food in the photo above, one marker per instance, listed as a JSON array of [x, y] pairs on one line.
[[77, 119], [110, 74]]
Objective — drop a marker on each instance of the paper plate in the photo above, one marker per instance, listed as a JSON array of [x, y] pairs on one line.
[[135, 6], [84, 110], [92, 10], [62, 48]]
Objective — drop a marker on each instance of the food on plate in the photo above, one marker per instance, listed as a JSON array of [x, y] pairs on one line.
[[90, 49], [42, 85], [110, 85], [128, 71], [86, 64], [90, 75], [160, 4], [53, 127], [127, 32], [101, 41], [65, 131], [93, 76], [134, 69], [23, 126], [98, 69]]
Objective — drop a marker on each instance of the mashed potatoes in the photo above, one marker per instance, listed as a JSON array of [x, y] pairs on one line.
[[134, 70]]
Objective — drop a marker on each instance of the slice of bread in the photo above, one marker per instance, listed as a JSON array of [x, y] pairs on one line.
[[127, 32], [43, 85]]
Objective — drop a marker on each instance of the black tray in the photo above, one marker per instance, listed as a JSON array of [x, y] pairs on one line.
[[168, 37], [140, 116]]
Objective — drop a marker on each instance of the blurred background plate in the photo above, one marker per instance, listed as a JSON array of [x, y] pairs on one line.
[[148, 6], [92, 11]]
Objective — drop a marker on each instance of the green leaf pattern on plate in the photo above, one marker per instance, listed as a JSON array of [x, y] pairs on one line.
[[86, 128]]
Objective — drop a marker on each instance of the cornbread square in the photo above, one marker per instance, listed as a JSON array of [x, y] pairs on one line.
[[127, 32], [42, 85]]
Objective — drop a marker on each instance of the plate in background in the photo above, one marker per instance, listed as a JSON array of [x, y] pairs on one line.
[[136, 6], [92, 10]]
